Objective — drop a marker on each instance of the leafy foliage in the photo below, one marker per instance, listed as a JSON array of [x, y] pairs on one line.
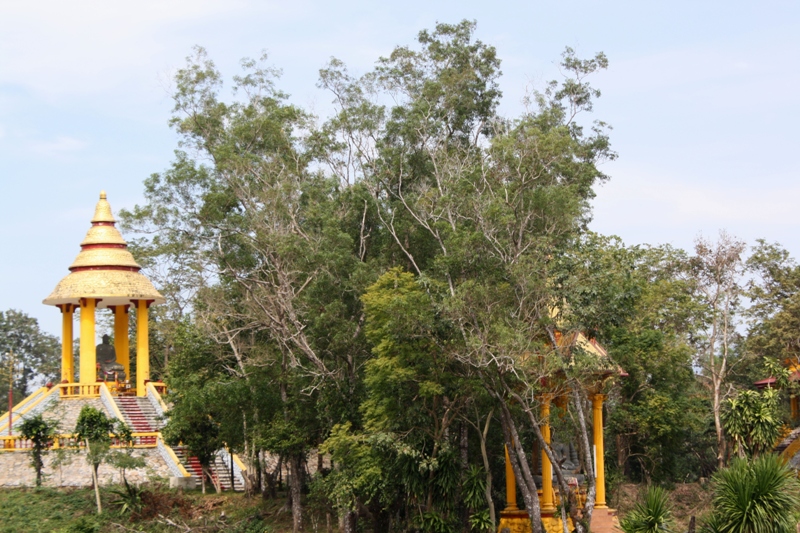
[[652, 515], [41, 433], [752, 420], [37, 354], [754, 496]]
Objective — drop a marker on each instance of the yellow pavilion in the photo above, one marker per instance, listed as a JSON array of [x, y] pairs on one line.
[[514, 519], [104, 275]]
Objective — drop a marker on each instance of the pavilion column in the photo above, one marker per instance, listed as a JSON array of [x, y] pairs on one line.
[[511, 486], [142, 347], [121, 340], [600, 474], [88, 362], [548, 499], [795, 405], [67, 355]]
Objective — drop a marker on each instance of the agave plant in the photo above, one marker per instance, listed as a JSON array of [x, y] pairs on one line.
[[756, 496], [652, 515]]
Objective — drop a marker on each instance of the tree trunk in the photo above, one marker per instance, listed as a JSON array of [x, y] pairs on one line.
[[488, 470], [463, 445], [215, 482], [95, 481], [717, 407], [295, 486], [349, 522], [519, 464]]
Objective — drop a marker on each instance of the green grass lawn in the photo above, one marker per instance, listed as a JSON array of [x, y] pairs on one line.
[[74, 511]]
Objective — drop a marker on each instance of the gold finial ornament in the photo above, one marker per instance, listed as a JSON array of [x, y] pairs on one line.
[[102, 195]]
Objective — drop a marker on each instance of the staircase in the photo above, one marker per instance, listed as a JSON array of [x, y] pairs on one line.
[[787, 441], [219, 470], [139, 415]]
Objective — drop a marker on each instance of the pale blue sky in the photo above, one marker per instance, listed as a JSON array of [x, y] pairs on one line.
[[703, 98]]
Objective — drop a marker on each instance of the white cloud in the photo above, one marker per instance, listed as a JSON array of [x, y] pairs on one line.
[[55, 47]]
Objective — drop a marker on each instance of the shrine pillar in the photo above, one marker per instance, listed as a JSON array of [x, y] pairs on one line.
[[511, 486], [88, 355], [142, 347], [600, 471], [121, 341], [67, 355], [548, 497]]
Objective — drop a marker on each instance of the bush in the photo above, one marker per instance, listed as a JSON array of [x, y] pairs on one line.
[[755, 496], [653, 515]]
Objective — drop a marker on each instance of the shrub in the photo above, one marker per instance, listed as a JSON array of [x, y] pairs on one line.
[[652, 515], [755, 496]]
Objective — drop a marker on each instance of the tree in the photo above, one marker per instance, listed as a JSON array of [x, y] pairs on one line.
[[192, 425], [641, 302], [94, 430], [774, 312], [476, 206], [752, 420], [41, 433], [717, 269], [277, 249], [37, 353]]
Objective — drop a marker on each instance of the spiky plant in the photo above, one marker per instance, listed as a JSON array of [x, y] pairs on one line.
[[652, 515], [755, 496]]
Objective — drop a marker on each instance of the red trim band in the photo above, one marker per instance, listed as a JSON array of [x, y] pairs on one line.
[[102, 245], [106, 267]]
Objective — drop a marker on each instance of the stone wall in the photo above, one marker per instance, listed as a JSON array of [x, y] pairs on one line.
[[16, 471], [65, 411]]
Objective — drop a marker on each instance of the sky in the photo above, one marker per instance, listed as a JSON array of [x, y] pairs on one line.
[[702, 97]]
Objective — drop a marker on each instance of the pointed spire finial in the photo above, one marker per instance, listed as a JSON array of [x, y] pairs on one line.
[[102, 212]]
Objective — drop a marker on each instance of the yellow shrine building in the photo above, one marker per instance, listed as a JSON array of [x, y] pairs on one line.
[[514, 519], [105, 275]]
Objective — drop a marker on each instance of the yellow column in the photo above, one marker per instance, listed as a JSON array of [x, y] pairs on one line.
[[511, 486], [142, 348], [548, 499], [121, 341], [67, 359], [88, 362], [597, 408]]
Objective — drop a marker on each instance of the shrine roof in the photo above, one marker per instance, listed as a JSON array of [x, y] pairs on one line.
[[104, 268]]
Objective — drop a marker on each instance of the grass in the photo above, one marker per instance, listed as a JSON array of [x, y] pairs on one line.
[[73, 511]]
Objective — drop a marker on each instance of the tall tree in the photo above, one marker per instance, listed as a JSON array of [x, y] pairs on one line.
[[273, 249], [478, 205], [774, 312], [37, 354], [717, 268]]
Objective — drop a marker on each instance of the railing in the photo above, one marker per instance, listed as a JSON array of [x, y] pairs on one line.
[[154, 391], [159, 386], [39, 393], [29, 404], [17, 443], [109, 403], [78, 390]]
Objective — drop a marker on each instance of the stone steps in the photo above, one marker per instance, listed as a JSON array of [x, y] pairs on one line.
[[139, 414], [218, 469]]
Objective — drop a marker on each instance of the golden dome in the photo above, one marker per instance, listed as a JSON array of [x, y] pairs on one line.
[[104, 268]]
